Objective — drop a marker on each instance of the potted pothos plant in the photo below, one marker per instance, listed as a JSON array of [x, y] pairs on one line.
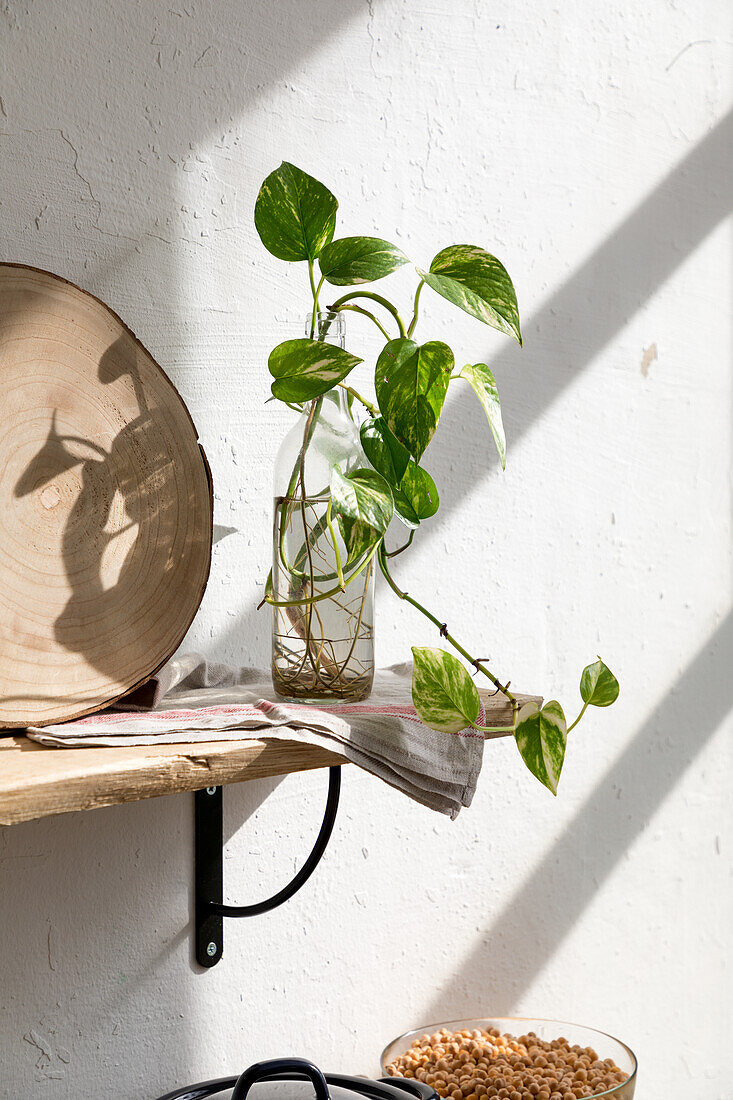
[[328, 536]]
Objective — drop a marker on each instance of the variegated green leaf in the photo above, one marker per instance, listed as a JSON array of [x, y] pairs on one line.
[[481, 380], [352, 260], [478, 283], [443, 693], [411, 381], [304, 369], [362, 495], [541, 736], [384, 451], [295, 215], [598, 685], [359, 538], [416, 497], [413, 489]]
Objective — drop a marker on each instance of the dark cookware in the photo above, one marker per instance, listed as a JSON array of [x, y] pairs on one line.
[[298, 1079]]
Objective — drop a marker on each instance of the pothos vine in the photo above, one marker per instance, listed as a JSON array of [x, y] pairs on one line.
[[295, 217]]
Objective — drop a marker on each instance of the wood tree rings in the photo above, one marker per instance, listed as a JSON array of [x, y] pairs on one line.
[[105, 504]]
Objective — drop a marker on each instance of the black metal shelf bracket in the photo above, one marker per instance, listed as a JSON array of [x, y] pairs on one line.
[[210, 908]]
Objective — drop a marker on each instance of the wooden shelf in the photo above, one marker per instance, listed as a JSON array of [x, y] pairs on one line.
[[36, 781]]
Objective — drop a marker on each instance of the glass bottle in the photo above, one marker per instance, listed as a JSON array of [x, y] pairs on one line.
[[322, 636]]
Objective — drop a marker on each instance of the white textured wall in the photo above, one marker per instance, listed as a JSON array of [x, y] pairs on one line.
[[589, 145]]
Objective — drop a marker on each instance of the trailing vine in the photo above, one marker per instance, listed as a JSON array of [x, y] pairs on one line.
[[295, 217]]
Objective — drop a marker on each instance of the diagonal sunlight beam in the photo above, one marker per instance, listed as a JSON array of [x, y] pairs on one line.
[[530, 928], [584, 314], [576, 322]]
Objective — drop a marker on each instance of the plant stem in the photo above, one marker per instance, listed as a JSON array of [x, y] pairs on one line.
[[307, 607], [374, 298], [354, 393], [394, 553], [315, 406], [495, 731], [307, 433], [582, 712], [413, 322], [331, 592], [315, 290], [336, 551], [366, 313], [478, 665], [357, 628]]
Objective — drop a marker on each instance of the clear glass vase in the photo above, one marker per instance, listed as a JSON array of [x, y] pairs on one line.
[[322, 636]]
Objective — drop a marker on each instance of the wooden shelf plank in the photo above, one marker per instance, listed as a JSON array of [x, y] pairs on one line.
[[36, 781]]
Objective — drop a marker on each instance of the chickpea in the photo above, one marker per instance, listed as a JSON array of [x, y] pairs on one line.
[[484, 1065]]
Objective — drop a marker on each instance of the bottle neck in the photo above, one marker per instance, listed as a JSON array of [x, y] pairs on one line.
[[334, 403], [327, 326]]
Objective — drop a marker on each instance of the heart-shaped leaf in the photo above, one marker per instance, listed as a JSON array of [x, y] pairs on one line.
[[304, 369], [478, 283], [443, 693], [598, 685], [481, 380], [411, 381], [362, 495], [352, 260], [541, 736], [384, 451], [295, 215], [413, 489], [416, 497]]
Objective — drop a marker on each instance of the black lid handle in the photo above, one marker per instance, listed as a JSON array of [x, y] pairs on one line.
[[276, 1067]]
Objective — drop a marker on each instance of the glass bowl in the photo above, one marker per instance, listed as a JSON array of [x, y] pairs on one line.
[[604, 1045]]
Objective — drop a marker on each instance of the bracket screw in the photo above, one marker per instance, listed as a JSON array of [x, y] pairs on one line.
[[211, 790], [211, 949]]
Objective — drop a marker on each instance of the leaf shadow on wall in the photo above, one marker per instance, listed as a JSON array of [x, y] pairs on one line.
[[592, 305], [174, 110], [125, 526], [110, 881]]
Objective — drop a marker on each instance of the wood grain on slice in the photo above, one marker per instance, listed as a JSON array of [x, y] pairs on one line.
[[105, 504]]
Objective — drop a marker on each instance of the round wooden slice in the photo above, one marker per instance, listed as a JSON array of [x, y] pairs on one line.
[[105, 505]]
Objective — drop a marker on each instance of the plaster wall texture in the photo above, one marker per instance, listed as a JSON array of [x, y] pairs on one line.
[[589, 146]]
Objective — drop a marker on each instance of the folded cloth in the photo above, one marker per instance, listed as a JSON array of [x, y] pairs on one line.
[[192, 700]]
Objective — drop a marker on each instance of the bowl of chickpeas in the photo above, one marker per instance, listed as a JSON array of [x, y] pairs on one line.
[[504, 1058]]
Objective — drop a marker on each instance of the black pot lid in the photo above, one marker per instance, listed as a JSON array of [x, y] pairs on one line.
[[298, 1079]]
